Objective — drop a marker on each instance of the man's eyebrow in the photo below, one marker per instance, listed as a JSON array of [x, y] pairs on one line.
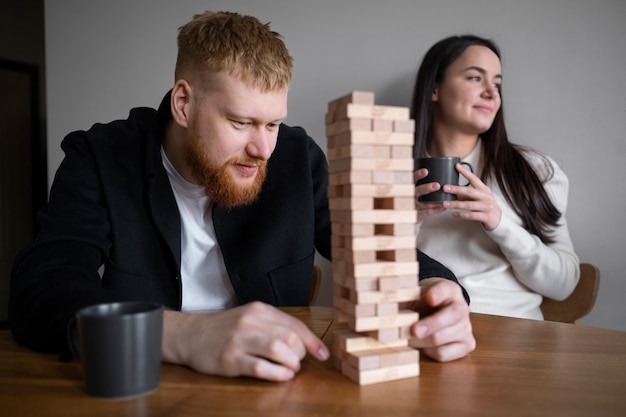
[[481, 70]]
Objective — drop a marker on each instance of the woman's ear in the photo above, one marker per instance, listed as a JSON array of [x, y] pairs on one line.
[[181, 102], [435, 96]]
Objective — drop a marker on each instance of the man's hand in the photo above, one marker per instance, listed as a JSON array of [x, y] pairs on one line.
[[255, 340], [444, 330]]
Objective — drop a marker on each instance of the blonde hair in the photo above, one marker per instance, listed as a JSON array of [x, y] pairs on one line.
[[241, 45]]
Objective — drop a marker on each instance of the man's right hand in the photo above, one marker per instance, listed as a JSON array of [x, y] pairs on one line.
[[255, 340]]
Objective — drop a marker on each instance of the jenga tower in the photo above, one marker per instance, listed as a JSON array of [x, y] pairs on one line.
[[371, 198]]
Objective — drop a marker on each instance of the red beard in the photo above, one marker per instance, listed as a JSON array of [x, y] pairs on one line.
[[218, 183]]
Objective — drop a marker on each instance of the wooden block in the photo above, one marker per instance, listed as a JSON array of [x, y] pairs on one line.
[[352, 230], [352, 309], [397, 255], [347, 126], [391, 283], [350, 341], [402, 152], [365, 323], [373, 376], [379, 190], [384, 335], [351, 203], [362, 284], [356, 97], [358, 243], [381, 125], [371, 164], [376, 269], [391, 177], [343, 136], [352, 177], [404, 126], [362, 111], [394, 203], [381, 358], [385, 309], [366, 151], [374, 297], [374, 216], [367, 310], [354, 256], [396, 229]]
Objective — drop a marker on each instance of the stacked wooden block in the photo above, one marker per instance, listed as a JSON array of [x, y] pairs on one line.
[[373, 215]]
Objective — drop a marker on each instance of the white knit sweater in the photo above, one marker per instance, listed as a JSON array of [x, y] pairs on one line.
[[506, 271]]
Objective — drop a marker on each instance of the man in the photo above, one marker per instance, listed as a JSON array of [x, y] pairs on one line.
[[207, 203]]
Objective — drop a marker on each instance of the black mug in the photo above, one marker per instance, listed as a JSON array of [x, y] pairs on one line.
[[441, 170], [119, 345]]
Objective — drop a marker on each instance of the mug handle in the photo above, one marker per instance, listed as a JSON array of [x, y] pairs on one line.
[[469, 166]]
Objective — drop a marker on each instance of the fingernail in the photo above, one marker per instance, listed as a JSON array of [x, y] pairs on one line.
[[421, 331], [323, 353]]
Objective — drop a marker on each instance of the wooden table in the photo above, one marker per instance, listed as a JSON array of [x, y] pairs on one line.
[[520, 368]]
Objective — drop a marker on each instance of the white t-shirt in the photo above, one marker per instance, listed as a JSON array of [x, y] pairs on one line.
[[205, 282]]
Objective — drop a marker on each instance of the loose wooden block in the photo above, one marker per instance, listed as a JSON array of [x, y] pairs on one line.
[[391, 283], [350, 341], [382, 358], [373, 376]]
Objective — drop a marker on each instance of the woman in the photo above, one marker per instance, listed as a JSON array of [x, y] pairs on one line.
[[505, 236]]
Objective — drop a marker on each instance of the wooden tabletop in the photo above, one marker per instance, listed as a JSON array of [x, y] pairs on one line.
[[520, 368]]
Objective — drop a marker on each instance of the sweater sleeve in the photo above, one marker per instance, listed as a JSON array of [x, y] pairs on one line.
[[57, 273], [551, 269], [430, 268]]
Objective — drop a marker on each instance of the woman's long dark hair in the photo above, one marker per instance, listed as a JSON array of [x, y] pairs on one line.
[[520, 184]]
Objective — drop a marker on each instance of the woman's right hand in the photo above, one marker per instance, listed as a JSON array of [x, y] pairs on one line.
[[425, 208]]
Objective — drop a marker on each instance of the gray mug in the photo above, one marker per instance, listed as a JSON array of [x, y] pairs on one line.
[[119, 345], [441, 170]]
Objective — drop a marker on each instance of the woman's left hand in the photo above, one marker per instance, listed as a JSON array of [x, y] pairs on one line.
[[475, 203]]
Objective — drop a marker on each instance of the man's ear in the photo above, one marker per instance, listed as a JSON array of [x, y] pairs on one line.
[[180, 102]]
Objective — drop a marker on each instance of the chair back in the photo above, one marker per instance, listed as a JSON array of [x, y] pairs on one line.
[[316, 279], [579, 303]]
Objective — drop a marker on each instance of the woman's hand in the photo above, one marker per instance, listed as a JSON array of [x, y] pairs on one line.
[[425, 208], [475, 202]]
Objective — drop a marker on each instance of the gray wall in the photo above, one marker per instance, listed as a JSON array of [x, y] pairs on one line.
[[564, 67]]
